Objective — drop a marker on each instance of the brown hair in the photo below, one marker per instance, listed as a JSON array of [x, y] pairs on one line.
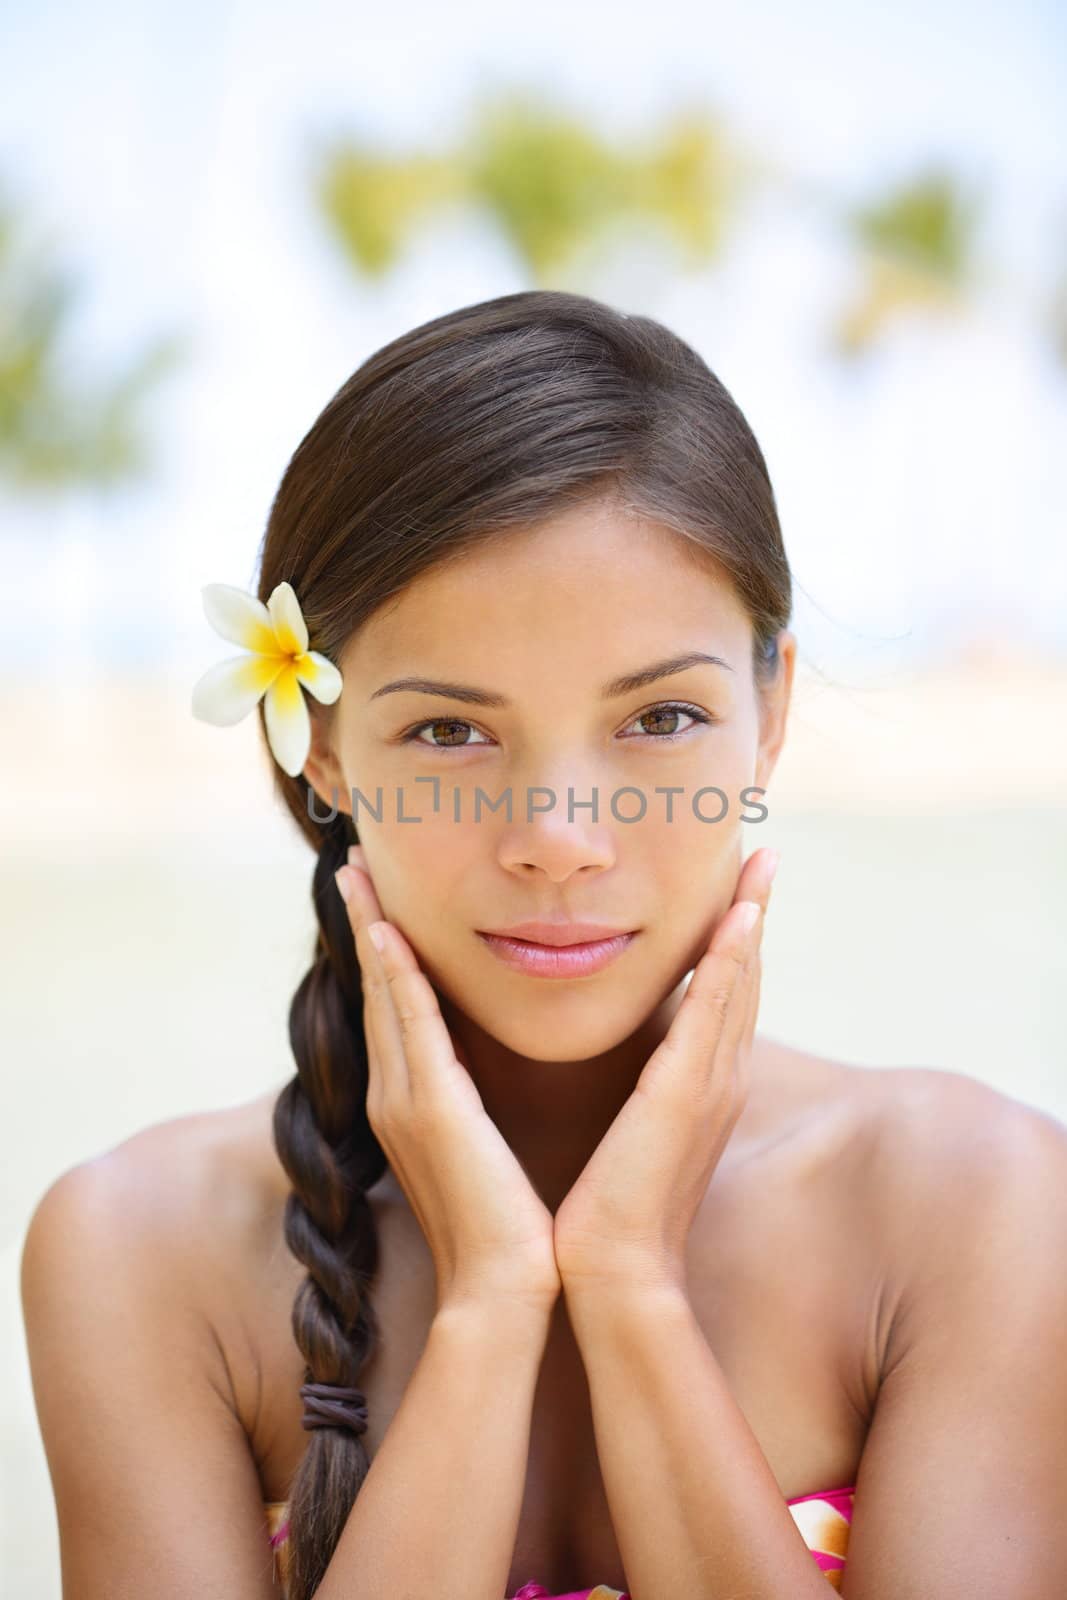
[[497, 415]]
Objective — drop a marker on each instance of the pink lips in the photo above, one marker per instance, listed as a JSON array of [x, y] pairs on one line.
[[557, 950]]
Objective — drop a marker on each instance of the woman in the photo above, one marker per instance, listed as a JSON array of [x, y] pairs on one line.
[[615, 1293]]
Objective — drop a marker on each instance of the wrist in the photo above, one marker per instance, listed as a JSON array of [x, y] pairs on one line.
[[593, 1300], [514, 1319]]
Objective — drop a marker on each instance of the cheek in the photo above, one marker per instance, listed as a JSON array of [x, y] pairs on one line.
[[693, 850], [422, 865], [695, 868]]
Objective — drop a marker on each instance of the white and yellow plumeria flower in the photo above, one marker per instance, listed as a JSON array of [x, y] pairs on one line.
[[280, 663]]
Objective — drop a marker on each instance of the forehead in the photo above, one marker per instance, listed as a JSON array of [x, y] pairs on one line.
[[592, 588]]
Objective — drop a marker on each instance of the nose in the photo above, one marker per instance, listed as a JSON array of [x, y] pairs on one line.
[[558, 841]]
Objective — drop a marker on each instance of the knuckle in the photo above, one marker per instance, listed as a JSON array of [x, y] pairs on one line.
[[406, 1015], [736, 960], [713, 998], [403, 1003], [410, 1001]]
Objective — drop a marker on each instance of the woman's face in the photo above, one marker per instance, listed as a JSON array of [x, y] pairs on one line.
[[545, 619]]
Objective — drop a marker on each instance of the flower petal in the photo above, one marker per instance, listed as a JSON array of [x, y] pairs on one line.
[[290, 629], [228, 691], [288, 722], [318, 675], [239, 617]]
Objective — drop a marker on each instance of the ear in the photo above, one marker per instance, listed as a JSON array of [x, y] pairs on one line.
[[774, 709], [322, 768]]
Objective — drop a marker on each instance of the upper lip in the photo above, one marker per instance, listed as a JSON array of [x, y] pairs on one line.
[[557, 933]]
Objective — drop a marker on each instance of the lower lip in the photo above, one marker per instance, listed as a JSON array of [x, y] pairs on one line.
[[557, 961]]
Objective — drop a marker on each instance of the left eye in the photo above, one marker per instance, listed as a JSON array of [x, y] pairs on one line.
[[672, 710], [668, 710]]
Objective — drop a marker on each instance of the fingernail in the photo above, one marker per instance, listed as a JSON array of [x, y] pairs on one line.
[[355, 856], [749, 914], [772, 868], [344, 884], [375, 931]]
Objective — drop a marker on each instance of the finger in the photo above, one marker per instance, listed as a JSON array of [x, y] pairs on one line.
[[381, 1025], [769, 865], [746, 1038], [378, 1104], [743, 1054], [732, 1051], [757, 875], [752, 1015], [358, 893], [755, 883], [362, 908], [416, 1020], [687, 1053], [744, 941], [357, 858]]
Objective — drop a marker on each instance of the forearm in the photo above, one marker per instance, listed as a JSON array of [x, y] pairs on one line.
[[695, 1506], [438, 1511]]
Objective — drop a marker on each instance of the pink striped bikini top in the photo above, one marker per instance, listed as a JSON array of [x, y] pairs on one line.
[[823, 1518]]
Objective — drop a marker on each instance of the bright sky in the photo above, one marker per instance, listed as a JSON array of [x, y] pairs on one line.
[[165, 150]]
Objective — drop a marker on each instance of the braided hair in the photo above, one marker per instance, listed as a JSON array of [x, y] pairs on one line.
[[332, 1158]]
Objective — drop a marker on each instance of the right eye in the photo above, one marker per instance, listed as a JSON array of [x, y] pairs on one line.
[[450, 723]]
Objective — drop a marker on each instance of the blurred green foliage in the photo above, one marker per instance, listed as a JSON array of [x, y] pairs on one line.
[[916, 252], [372, 203], [55, 432], [557, 190], [929, 222], [550, 182]]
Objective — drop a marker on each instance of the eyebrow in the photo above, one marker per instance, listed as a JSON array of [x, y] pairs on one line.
[[610, 691]]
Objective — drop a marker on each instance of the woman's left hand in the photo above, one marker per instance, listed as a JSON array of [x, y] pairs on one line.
[[625, 1222]]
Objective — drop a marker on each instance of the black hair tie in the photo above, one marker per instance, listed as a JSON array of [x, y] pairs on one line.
[[329, 1405]]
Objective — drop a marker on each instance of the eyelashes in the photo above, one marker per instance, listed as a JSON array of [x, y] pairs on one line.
[[668, 706]]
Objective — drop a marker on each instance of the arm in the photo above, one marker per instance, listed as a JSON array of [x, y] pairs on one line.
[[155, 1484], [439, 1509], [962, 1488], [155, 1487], [696, 1508]]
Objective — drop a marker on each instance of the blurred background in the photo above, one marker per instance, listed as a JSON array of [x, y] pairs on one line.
[[209, 216]]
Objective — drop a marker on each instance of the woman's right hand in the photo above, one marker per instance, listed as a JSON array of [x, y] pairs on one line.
[[490, 1234]]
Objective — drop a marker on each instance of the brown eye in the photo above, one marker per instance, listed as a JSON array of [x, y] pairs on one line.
[[660, 722], [449, 726], [659, 718]]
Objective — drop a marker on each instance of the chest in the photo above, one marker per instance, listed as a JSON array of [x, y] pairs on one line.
[[784, 1281], [794, 1376]]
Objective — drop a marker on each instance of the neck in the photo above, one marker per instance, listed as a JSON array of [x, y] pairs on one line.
[[553, 1114]]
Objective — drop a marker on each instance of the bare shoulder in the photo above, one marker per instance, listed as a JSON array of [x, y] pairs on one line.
[[191, 1196], [948, 1138], [123, 1271], [205, 1166], [956, 1175], [915, 1122], [913, 1146]]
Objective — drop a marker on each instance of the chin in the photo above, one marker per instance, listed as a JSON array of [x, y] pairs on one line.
[[565, 1039]]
